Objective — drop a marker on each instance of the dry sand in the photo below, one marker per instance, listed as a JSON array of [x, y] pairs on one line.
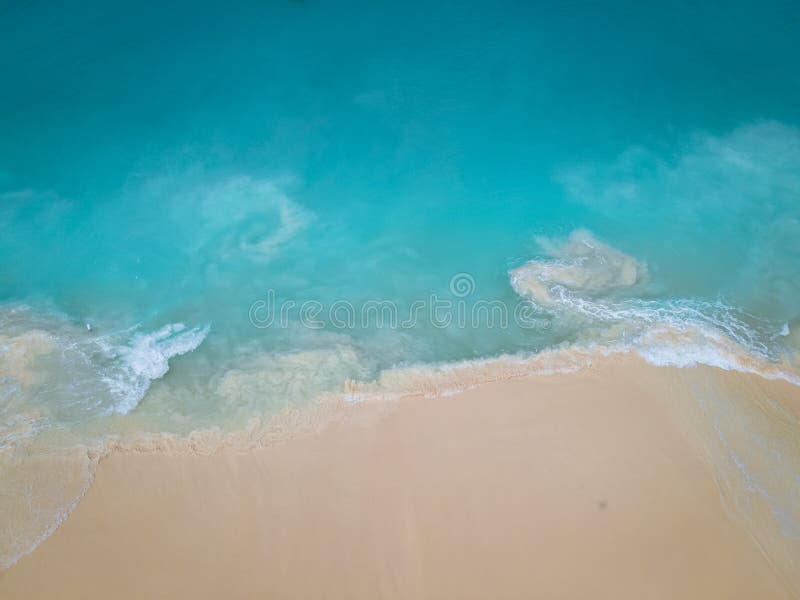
[[587, 485]]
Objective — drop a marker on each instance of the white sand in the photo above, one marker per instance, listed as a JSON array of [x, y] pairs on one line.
[[589, 485]]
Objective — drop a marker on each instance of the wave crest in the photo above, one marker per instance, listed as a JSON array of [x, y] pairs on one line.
[[146, 359]]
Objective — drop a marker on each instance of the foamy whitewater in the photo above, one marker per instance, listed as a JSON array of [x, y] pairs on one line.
[[190, 252]]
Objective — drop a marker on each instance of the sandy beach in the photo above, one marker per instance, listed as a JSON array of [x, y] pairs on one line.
[[594, 484]]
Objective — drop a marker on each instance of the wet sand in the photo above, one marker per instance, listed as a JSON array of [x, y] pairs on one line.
[[586, 485]]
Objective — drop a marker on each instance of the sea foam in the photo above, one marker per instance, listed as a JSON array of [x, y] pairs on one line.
[[145, 359]]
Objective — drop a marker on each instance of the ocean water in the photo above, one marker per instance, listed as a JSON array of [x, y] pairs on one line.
[[209, 215]]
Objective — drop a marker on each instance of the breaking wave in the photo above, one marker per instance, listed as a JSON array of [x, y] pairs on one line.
[[589, 287], [145, 359], [57, 377], [580, 264]]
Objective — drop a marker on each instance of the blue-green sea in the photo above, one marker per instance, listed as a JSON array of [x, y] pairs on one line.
[[211, 213]]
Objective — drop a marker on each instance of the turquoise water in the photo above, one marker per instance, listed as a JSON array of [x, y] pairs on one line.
[[170, 175]]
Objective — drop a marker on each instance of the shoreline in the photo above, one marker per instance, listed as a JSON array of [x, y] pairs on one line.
[[596, 482]]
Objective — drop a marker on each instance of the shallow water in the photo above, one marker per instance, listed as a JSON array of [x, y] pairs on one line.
[[211, 216]]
